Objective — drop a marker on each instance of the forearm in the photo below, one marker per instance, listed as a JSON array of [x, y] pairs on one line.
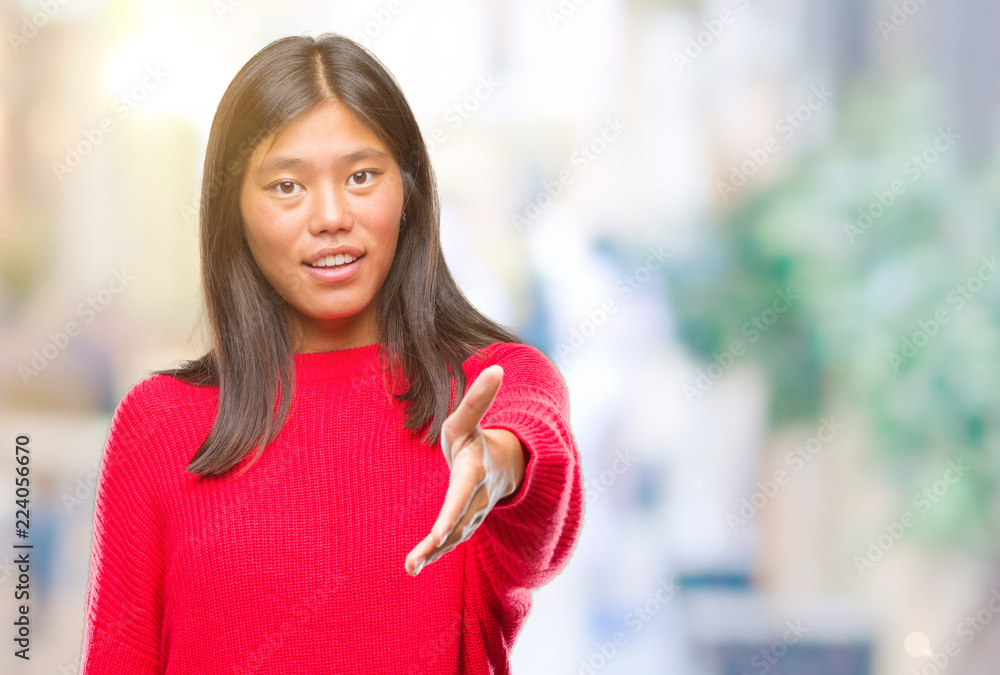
[[531, 532]]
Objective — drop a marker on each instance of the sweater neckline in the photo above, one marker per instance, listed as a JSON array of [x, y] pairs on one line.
[[344, 362]]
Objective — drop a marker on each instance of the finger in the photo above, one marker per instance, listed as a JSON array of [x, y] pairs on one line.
[[466, 496], [417, 558], [465, 481], [464, 420], [430, 549], [464, 528], [469, 523], [476, 402], [461, 487]]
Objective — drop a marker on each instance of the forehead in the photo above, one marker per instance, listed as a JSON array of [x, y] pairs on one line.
[[327, 129]]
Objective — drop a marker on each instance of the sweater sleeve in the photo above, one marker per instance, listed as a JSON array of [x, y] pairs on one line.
[[124, 599], [529, 535]]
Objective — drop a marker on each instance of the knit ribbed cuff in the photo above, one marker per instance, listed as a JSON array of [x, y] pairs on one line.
[[548, 468], [517, 496]]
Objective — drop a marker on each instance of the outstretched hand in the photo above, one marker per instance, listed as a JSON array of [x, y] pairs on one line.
[[486, 466]]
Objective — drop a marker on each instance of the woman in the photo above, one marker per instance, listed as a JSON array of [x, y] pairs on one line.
[[340, 345]]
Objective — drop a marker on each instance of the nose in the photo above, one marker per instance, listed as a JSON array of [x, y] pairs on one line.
[[329, 210]]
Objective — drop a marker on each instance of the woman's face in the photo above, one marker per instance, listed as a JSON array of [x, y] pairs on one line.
[[326, 186]]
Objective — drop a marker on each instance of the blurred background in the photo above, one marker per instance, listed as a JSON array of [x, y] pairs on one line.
[[758, 237]]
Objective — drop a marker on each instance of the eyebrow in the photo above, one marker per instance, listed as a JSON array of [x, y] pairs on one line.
[[276, 163]]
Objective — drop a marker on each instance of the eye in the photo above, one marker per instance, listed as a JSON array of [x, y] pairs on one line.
[[284, 186], [353, 180]]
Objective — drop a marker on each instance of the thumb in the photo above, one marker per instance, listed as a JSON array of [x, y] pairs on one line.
[[477, 400]]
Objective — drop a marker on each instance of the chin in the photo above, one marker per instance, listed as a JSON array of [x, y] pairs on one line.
[[332, 313]]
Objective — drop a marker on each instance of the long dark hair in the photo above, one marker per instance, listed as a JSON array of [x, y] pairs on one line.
[[426, 326]]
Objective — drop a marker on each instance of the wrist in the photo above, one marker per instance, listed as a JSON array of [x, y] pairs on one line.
[[507, 451]]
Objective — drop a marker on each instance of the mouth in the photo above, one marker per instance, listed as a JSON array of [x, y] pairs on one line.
[[333, 262], [329, 271]]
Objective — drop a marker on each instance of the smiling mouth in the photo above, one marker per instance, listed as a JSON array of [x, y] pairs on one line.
[[321, 264]]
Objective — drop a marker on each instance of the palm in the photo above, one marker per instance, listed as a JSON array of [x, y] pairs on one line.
[[475, 484]]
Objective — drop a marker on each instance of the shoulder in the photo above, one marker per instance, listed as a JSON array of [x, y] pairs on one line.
[[160, 397], [154, 425], [162, 390]]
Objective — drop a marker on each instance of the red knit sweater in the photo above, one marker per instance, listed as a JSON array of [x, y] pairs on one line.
[[297, 565]]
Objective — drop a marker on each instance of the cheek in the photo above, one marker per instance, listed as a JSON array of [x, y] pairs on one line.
[[385, 208], [267, 239], [384, 218], [380, 215], [384, 226]]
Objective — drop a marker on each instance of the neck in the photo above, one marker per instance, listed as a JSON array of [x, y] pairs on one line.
[[324, 335]]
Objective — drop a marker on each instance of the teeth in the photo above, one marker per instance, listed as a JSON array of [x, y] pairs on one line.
[[333, 260]]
